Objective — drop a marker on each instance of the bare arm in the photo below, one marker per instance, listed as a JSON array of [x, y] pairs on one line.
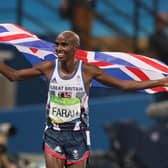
[[102, 77], [44, 68]]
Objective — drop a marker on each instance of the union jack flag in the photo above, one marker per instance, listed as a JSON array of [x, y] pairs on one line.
[[126, 66]]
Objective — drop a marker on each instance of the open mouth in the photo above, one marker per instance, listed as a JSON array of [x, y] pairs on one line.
[[60, 55]]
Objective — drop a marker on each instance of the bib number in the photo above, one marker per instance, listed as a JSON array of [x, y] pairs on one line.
[[64, 110]]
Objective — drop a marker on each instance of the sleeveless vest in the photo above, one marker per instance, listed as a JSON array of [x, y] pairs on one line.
[[67, 104]]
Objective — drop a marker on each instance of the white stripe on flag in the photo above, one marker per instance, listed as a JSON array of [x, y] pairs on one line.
[[134, 61]]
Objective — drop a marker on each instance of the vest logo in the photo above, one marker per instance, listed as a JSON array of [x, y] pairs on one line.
[[54, 80], [58, 149], [75, 154], [78, 79]]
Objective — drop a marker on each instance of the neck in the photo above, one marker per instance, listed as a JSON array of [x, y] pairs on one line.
[[67, 68]]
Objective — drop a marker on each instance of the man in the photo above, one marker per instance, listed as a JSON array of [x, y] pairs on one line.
[[66, 136]]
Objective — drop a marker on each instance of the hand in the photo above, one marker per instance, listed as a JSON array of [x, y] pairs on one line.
[[164, 81]]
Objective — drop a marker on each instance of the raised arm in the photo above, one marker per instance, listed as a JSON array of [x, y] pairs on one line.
[[44, 68], [102, 77]]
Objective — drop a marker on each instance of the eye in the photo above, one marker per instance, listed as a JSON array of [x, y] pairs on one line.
[[56, 43]]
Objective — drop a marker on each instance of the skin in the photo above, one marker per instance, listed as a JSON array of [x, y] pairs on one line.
[[67, 44]]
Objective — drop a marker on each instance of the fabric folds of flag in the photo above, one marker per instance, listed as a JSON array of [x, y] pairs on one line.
[[126, 66]]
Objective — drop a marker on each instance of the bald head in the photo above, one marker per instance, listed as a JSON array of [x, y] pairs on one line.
[[67, 43], [72, 36]]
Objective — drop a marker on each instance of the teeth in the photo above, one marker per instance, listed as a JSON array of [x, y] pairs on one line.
[[60, 54]]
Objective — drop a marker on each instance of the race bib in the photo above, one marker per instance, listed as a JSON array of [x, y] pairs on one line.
[[64, 110]]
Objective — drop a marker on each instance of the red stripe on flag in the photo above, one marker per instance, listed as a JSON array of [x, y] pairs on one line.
[[101, 63], [159, 89], [138, 73], [144, 77], [34, 50], [150, 62], [14, 37], [81, 58], [21, 28], [81, 55]]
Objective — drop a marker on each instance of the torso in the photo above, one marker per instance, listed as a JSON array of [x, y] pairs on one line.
[[68, 100]]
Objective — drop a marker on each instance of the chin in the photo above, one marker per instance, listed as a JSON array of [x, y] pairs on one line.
[[62, 60]]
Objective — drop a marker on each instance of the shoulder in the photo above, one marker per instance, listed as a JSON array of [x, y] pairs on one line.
[[46, 68], [45, 65], [91, 69], [88, 66]]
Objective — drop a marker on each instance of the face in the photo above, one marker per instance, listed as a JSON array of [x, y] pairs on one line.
[[66, 46]]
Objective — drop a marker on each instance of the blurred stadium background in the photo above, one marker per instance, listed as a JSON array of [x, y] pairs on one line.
[[122, 25]]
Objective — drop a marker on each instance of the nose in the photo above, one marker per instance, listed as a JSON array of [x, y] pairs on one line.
[[59, 48]]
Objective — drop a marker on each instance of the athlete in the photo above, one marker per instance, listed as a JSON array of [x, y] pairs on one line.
[[66, 136]]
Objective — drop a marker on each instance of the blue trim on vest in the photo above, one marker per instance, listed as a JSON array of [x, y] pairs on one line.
[[82, 72]]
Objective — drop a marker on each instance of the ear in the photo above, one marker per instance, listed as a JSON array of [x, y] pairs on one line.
[[77, 46]]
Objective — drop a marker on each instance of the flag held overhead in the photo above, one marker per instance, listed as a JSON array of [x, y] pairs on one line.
[[126, 66]]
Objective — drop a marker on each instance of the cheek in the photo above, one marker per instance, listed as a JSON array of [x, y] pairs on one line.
[[70, 50]]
